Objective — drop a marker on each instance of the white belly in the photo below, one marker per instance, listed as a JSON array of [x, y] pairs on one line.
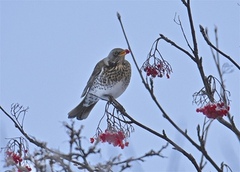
[[104, 92]]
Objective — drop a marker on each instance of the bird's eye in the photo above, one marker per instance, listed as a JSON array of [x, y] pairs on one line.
[[116, 53]]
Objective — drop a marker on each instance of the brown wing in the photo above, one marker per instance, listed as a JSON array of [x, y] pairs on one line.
[[95, 72]]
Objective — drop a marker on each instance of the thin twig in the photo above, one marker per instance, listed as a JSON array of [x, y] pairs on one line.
[[193, 33], [129, 47], [177, 46], [215, 48], [183, 32]]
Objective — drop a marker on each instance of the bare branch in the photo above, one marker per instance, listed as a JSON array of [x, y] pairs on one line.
[[215, 48], [177, 46], [183, 32], [193, 33]]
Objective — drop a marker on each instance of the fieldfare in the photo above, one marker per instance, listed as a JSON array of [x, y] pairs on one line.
[[109, 78]]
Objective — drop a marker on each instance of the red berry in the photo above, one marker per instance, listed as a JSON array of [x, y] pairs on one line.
[[221, 104], [155, 71], [91, 140], [153, 75], [228, 108], [127, 51], [146, 69]]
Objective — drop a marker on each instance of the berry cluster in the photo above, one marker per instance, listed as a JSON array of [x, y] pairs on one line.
[[15, 159], [214, 110], [116, 138], [158, 69]]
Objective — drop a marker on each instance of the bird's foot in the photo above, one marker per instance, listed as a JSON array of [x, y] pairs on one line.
[[116, 104]]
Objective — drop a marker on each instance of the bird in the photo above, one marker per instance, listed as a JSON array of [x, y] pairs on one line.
[[109, 79]]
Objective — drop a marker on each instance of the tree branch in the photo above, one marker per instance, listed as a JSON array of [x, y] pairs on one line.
[[215, 48]]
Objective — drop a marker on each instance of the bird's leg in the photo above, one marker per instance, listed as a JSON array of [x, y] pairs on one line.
[[116, 104]]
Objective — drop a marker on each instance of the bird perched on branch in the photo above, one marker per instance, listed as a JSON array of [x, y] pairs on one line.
[[109, 78]]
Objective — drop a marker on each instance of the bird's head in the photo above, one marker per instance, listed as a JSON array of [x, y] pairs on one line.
[[117, 55]]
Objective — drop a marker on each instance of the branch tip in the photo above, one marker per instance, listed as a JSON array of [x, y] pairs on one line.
[[118, 16]]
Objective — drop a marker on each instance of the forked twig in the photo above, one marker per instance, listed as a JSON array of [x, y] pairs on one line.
[[215, 48]]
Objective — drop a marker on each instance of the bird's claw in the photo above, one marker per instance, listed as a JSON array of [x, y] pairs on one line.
[[116, 104]]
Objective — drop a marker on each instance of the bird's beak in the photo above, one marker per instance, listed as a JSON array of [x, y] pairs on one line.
[[124, 52]]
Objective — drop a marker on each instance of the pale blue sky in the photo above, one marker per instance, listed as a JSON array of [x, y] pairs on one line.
[[48, 50]]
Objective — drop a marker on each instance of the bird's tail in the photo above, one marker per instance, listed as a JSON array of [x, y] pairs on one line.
[[81, 112]]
